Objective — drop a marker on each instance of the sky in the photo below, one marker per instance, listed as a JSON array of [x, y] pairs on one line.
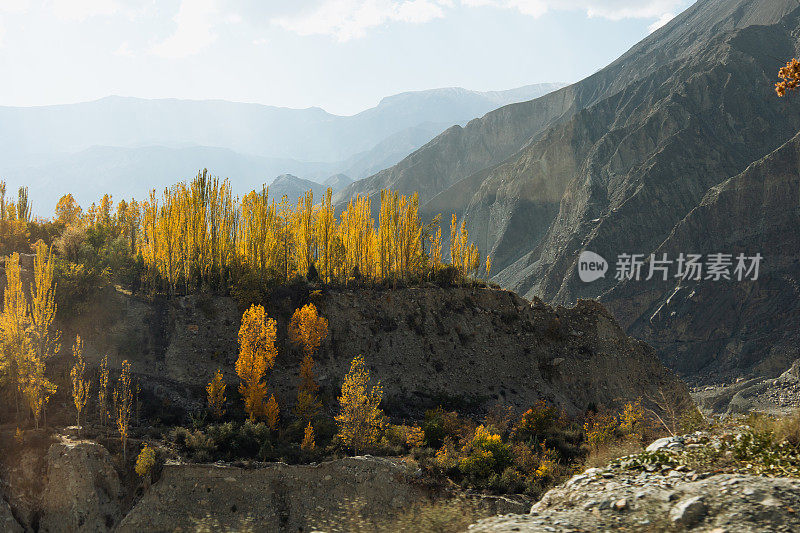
[[340, 55]]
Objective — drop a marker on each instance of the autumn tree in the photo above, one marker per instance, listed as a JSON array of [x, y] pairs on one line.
[[360, 419], [145, 462], [68, 212], [488, 267], [14, 325], [308, 443], [257, 354], [80, 385], [46, 341], [307, 329], [123, 403], [102, 390], [790, 78], [325, 230], [24, 210], [272, 413], [216, 395]]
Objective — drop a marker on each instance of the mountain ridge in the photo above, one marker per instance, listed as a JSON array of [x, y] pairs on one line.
[[611, 165]]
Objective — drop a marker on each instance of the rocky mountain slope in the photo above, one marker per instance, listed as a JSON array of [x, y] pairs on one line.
[[649, 155], [460, 347]]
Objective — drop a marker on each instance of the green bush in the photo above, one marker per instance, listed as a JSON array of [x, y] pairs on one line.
[[438, 425]]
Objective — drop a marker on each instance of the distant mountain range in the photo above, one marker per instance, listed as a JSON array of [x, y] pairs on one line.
[[124, 146], [679, 146]]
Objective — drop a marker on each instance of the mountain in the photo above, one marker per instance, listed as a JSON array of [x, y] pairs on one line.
[[132, 172], [293, 188], [337, 182], [643, 156], [113, 140]]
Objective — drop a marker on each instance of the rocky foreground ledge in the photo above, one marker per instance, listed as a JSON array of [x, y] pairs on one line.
[[655, 491]]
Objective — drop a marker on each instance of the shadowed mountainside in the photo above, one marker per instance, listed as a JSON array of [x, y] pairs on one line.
[[616, 162]]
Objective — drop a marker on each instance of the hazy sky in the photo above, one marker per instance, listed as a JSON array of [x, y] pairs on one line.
[[341, 55]]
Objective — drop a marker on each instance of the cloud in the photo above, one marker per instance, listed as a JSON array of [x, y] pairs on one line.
[[350, 19], [663, 21], [124, 50], [14, 6], [80, 10], [608, 9], [194, 31]]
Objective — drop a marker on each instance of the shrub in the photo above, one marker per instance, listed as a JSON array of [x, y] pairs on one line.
[[600, 429], [485, 454], [145, 462], [536, 421], [439, 425]]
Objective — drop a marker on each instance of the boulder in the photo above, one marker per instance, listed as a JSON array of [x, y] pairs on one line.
[[82, 491]]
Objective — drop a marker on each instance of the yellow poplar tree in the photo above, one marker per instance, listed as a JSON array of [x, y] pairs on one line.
[[43, 305], [308, 443], [102, 390], [307, 329], [123, 402], [80, 385], [216, 395], [360, 418], [14, 325], [272, 413], [257, 354]]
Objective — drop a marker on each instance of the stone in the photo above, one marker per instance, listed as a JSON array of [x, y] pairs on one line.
[[688, 512], [82, 491], [659, 444]]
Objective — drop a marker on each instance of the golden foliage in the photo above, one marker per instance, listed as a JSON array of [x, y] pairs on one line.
[[308, 443], [307, 329], [790, 76], [102, 390], [145, 462], [600, 429], [307, 406], [123, 402], [632, 420], [26, 340], [216, 395], [272, 413], [257, 354], [14, 325], [415, 437], [80, 385], [360, 418], [68, 212], [199, 232]]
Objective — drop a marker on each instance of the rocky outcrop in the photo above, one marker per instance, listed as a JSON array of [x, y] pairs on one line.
[[659, 498], [461, 347], [774, 396], [276, 497], [82, 491]]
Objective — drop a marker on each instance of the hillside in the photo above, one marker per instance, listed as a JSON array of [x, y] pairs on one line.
[[466, 348], [618, 162]]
